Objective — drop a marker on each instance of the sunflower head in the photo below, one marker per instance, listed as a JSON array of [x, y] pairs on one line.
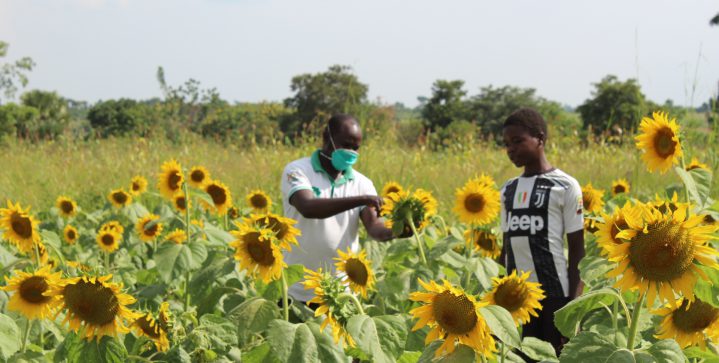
[[233, 213], [659, 139], [391, 187], [695, 164], [477, 202], [138, 185], [108, 240], [180, 202], [146, 325], [220, 196], [113, 226], [199, 176], [327, 290], [357, 270], [592, 199], [258, 251], [170, 178], [660, 252], [517, 295], [66, 206], [454, 315], [20, 228], [96, 304], [259, 201], [399, 208], [483, 241], [164, 316], [178, 236], [283, 228], [70, 234], [149, 227], [620, 186], [32, 292], [608, 230], [119, 198], [689, 322]]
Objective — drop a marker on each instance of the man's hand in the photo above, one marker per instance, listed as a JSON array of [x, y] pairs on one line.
[[373, 201]]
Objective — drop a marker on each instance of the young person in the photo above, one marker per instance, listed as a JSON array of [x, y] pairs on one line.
[[538, 208]]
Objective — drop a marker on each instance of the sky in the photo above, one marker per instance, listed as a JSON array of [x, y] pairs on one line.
[[250, 49]]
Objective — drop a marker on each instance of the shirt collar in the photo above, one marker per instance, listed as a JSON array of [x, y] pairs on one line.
[[345, 176]]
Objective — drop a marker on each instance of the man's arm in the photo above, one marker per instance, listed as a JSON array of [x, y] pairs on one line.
[[320, 208], [575, 241], [374, 225]]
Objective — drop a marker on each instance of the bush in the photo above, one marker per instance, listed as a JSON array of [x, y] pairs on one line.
[[12, 115], [52, 117], [119, 117]]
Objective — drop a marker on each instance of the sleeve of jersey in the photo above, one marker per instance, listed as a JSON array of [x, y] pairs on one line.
[[294, 180], [367, 188], [573, 213]]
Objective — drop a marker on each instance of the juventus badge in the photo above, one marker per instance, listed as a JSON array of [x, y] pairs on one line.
[[539, 197]]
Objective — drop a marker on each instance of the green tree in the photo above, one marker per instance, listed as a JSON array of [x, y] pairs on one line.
[[447, 104], [316, 96], [52, 115], [187, 105], [119, 117], [492, 106], [613, 104], [13, 73], [12, 115]]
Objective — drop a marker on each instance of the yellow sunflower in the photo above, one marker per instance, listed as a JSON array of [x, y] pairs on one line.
[[170, 179], [119, 198], [620, 186], [219, 194], [164, 316], [660, 251], [108, 240], [70, 234], [97, 305], [138, 185], [391, 187], [357, 270], [327, 290], [66, 206], [257, 253], [591, 225], [259, 201], [660, 141], [283, 228], [180, 202], [233, 213], [199, 176], [484, 241], [477, 203], [452, 315], [695, 164], [689, 322], [400, 206], [20, 228], [78, 266], [113, 226], [147, 325], [149, 227], [516, 294], [592, 199], [32, 292], [664, 205], [178, 236], [613, 224]]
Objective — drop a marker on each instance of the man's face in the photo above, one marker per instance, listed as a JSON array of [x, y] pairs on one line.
[[521, 147], [349, 136]]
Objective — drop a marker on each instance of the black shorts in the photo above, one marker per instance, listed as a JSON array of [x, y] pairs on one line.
[[542, 326]]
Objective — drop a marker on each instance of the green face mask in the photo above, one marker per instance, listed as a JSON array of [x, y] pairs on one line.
[[342, 159]]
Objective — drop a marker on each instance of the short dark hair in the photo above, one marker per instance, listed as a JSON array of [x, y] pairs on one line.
[[529, 119], [335, 122]]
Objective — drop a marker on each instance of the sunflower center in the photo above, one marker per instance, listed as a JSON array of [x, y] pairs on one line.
[[71, 234], [173, 180], [484, 241], [93, 303], [277, 226], [664, 142], [150, 230], [618, 225], [664, 253], [181, 203], [258, 201], [197, 176], [356, 271], [146, 324], [697, 317], [31, 290], [217, 194], [392, 189], [260, 250], [474, 203], [455, 314], [119, 197], [107, 240], [511, 295], [66, 207], [587, 201], [21, 225], [619, 189], [135, 186]]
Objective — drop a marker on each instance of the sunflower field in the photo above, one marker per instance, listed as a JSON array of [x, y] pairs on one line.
[[175, 268]]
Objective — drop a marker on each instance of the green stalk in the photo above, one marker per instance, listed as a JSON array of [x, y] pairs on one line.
[[468, 254], [285, 306], [107, 262], [635, 322], [28, 327], [686, 190], [615, 313], [503, 353], [416, 237], [187, 232], [354, 299]]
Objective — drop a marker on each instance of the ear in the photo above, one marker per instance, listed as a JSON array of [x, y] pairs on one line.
[[542, 138]]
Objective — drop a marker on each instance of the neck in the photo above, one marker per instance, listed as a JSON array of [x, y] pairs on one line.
[[327, 164], [539, 166]]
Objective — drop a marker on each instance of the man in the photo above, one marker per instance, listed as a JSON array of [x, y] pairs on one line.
[[328, 198]]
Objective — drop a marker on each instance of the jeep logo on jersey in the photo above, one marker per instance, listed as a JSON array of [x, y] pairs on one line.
[[530, 223]]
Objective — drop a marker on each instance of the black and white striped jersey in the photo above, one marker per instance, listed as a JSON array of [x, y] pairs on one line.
[[537, 212]]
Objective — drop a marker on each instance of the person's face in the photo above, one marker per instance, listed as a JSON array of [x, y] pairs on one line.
[[349, 136], [522, 148]]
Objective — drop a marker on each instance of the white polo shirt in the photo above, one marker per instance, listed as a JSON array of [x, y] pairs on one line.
[[321, 238]]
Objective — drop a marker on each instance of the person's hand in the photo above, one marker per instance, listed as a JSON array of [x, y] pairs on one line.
[[375, 202]]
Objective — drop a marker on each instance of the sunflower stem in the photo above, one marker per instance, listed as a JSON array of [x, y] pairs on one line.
[[37, 254], [635, 322], [285, 306], [501, 357], [468, 253], [107, 262], [354, 299], [615, 313], [28, 327], [189, 239], [416, 237], [445, 231], [686, 190]]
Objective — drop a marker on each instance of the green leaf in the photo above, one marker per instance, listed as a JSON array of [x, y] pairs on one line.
[[461, 354], [77, 349], [567, 319], [501, 324], [177, 354], [621, 356], [259, 354], [690, 186], [708, 291], [593, 270], [301, 343], [704, 354], [409, 357], [441, 247], [538, 350], [326, 347], [273, 291], [587, 347], [217, 236], [381, 338], [174, 260], [220, 331], [9, 336], [252, 316], [484, 269], [666, 351], [703, 181]]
